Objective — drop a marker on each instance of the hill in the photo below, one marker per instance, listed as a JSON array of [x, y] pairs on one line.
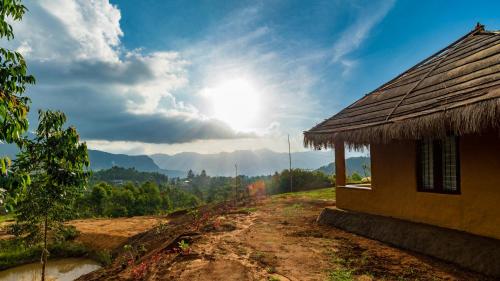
[[353, 164], [103, 160], [100, 160], [250, 162], [119, 174]]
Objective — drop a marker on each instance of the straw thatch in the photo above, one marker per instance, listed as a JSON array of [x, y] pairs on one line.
[[456, 90]]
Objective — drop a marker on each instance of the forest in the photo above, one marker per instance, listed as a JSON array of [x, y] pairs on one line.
[[119, 192]]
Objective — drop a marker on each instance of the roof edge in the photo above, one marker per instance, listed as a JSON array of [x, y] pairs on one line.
[[472, 118]]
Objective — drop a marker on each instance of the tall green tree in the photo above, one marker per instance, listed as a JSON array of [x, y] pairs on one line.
[[14, 106], [57, 165]]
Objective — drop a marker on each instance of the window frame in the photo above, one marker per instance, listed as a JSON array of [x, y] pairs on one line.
[[437, 159]]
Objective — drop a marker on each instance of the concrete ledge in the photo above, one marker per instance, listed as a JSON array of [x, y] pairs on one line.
[[474, 252]]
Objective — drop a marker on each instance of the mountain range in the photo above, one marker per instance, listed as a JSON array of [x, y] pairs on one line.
[[250, 162], [100, 160]]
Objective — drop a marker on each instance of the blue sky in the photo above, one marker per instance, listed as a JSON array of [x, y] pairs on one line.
[[207, 76]]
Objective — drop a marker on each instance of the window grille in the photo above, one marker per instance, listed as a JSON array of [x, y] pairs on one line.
[[427, 164], [438, 168], [449, 164]]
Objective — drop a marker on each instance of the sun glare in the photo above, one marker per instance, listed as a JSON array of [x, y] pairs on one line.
[[236, 102]]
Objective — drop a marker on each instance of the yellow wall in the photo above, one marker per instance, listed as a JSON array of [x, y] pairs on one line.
[[394, 191]]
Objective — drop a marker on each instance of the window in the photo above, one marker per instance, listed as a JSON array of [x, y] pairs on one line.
[[438, 169], [358, 167]]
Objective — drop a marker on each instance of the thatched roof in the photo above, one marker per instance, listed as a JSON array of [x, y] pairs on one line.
[[456, 90]]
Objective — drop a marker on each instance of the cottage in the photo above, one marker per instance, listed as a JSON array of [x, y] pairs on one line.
[[434, 138]]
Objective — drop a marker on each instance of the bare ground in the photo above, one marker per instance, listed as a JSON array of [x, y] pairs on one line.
[[278, 239], [107, 234]]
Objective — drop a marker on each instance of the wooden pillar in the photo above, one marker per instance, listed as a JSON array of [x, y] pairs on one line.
[[339, 163]]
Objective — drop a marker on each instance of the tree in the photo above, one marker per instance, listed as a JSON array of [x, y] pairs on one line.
[[98, 198], [13, 80], [190, 174], [149, 198], [57, 164], [356, 177]]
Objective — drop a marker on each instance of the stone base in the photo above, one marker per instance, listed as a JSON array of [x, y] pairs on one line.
[[474, 252]]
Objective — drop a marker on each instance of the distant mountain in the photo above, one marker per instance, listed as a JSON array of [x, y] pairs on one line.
[[353, 164], [100, 160], [250, 162]]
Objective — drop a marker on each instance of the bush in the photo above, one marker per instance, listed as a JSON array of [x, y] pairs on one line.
[[356, 177], [104, 257], [302, 180], [68, 233], [117, 211]]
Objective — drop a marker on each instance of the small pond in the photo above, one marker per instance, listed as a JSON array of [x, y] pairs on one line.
[[60, 270]]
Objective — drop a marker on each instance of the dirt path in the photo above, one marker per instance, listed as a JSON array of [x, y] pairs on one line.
[[276, 240], [281, 240], [99, 234]]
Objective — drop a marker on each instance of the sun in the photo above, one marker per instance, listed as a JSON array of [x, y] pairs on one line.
[[236, 102]]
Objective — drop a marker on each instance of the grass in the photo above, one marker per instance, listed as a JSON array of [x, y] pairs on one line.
[[247, 210], [340, 275], [5, 218], [292, 210], [323, 193], [103, 257]]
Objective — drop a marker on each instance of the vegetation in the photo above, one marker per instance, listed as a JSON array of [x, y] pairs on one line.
[[152, 193], [5, 218], [340, 275], [301, 180], [132, 199], [14, 106], [117, 175], [54, 162], [355, 177], [16, 251], [323, 193]]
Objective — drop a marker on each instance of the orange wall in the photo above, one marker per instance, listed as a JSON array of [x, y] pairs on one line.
[[394, 191]]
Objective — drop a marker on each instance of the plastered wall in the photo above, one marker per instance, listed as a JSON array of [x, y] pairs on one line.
[[394, 191]]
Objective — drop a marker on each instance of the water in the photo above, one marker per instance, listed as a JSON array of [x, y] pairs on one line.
[[60, 270]]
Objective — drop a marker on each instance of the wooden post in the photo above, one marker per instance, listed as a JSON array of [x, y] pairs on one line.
[[339, 163]]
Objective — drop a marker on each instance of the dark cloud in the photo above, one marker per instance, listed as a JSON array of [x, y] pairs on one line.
[[130, 72], [103, 116]]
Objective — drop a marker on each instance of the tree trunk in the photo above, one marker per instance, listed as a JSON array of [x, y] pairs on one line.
[[44, 251]]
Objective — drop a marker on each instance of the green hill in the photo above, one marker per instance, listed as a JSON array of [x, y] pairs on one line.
[[119, 175], [353, 164]]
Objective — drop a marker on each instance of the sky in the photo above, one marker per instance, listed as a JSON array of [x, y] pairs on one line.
[[144, 77]]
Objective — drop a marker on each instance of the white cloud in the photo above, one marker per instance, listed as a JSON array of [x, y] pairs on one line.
[[24, 48], [357, 32], [69, 30], [123, 98], [74, 49], [278, 144]]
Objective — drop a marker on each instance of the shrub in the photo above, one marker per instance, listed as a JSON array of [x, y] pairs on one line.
[[103, 257]]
